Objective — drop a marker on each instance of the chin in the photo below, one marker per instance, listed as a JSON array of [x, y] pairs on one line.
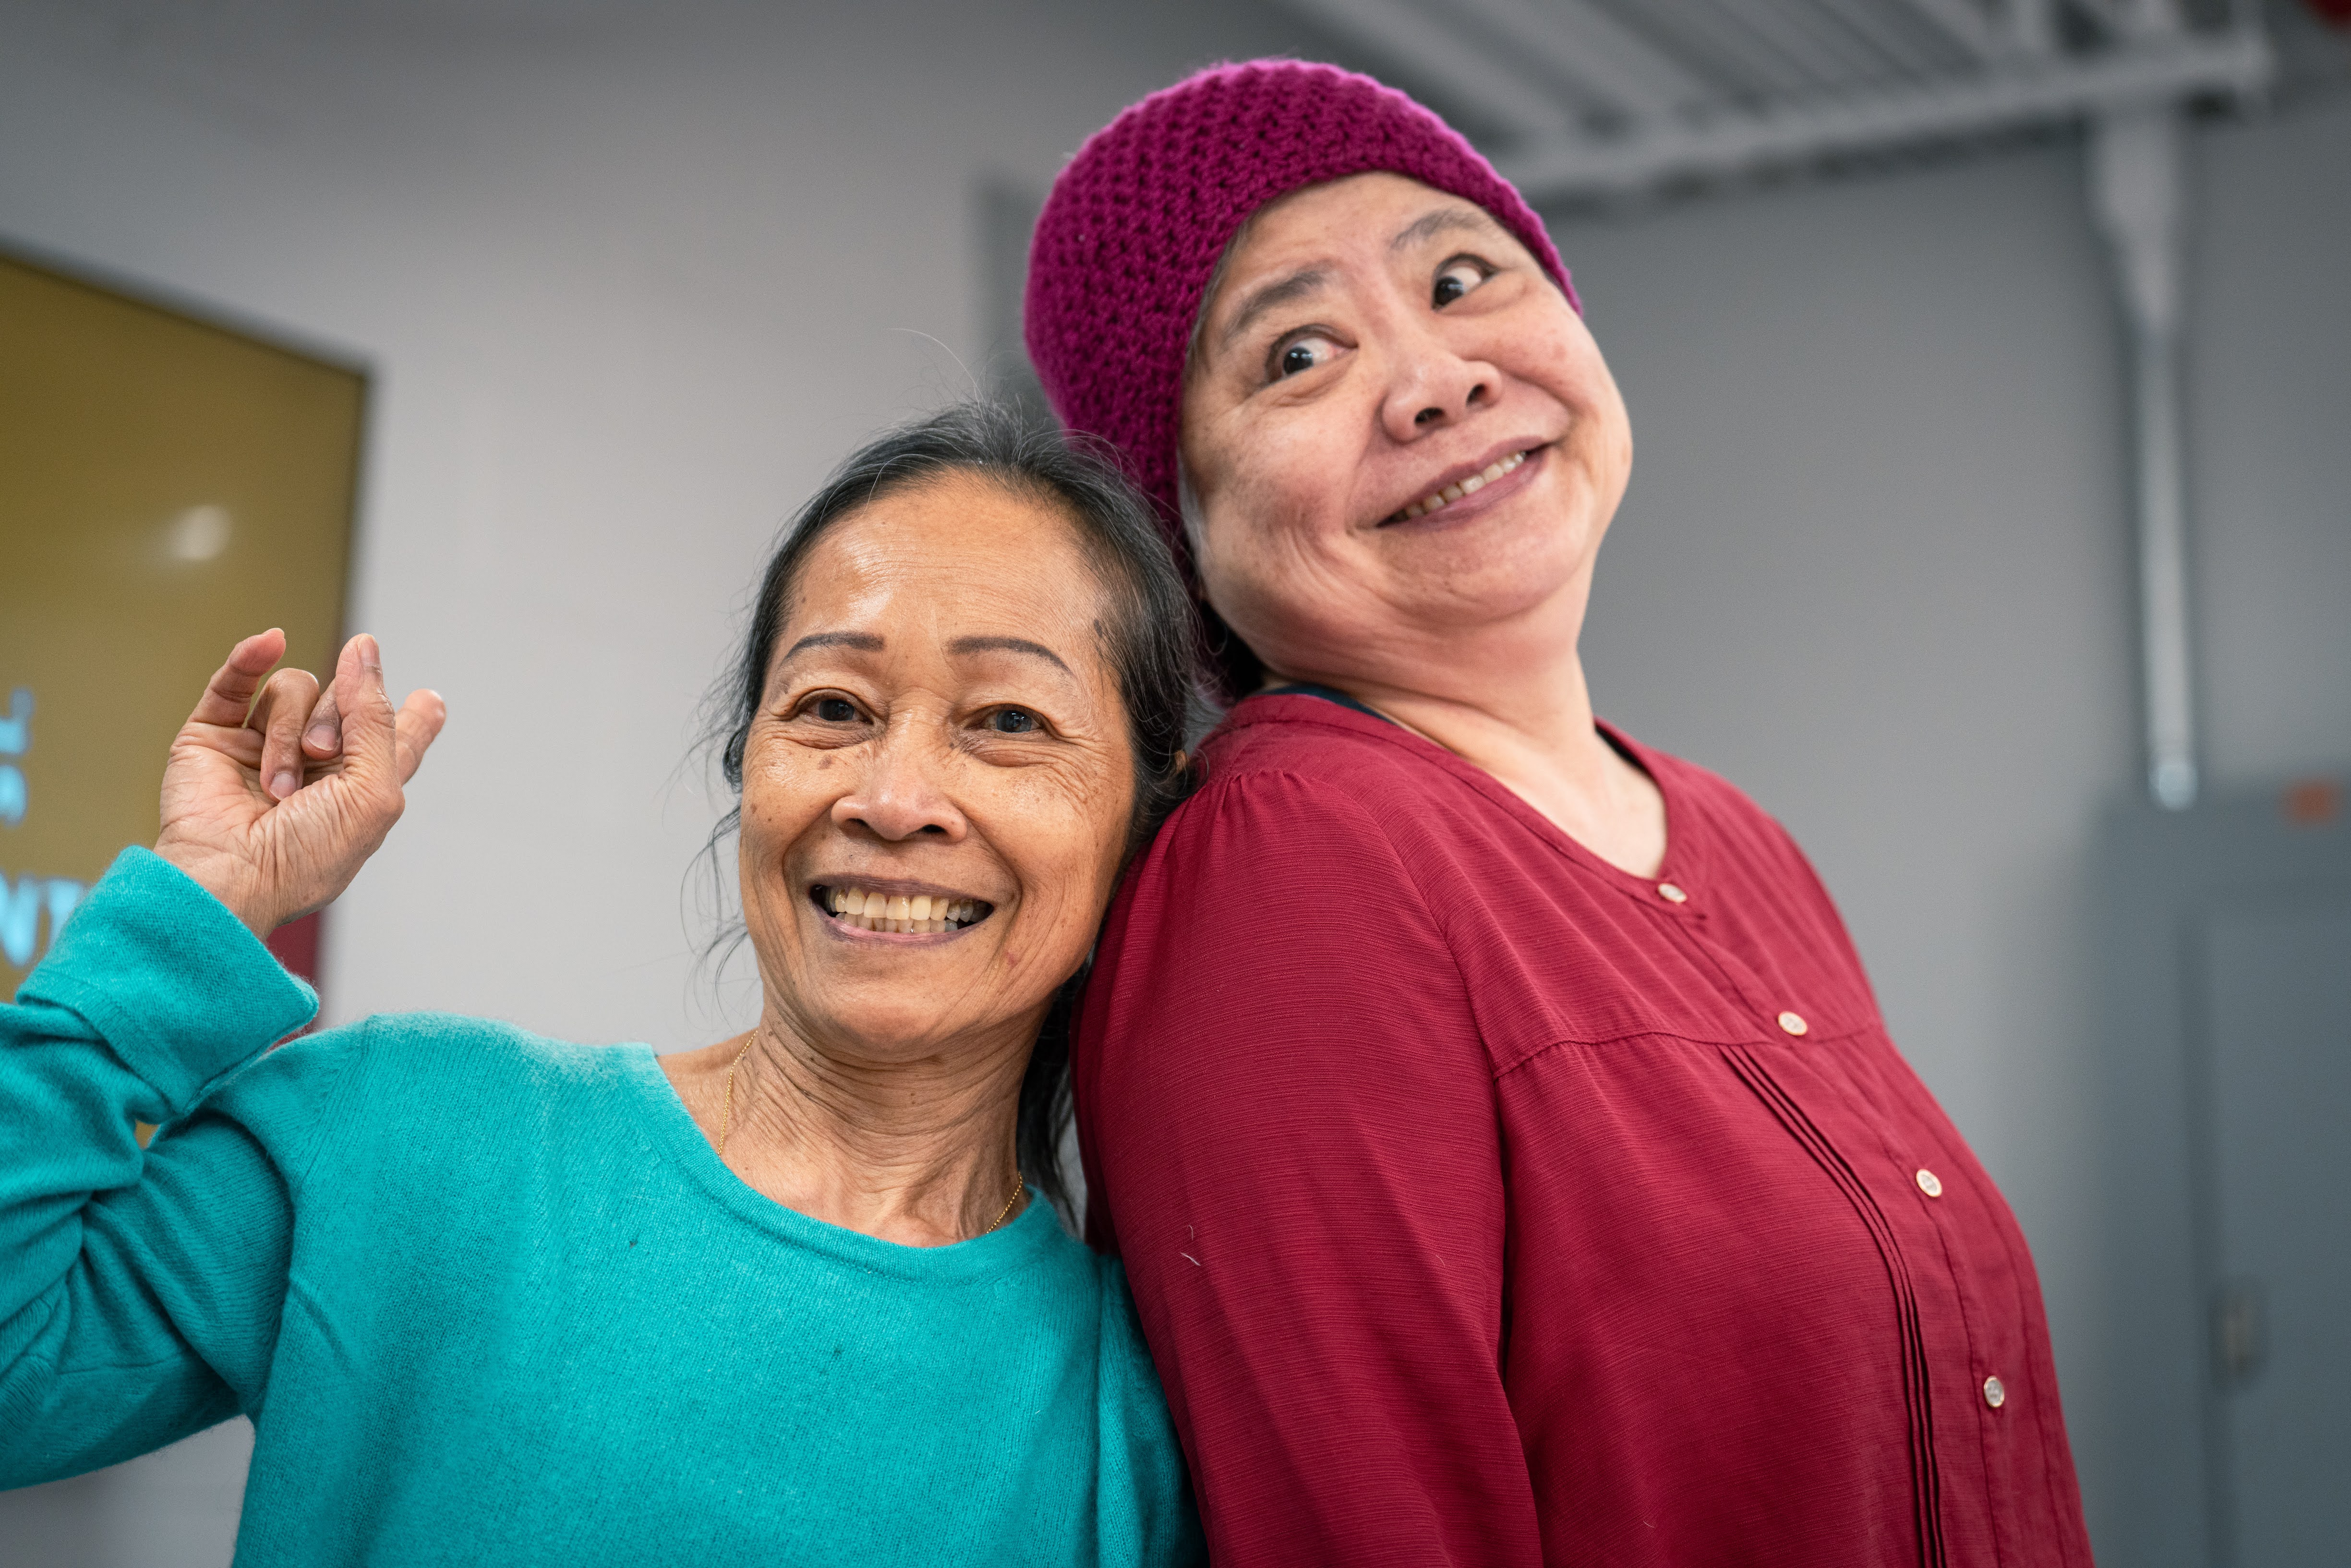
[[889, 1034], [1498, 572]]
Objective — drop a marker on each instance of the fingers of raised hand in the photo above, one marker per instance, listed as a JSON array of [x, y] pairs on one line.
[[323, 739], [230, 691], [364, 709], [372, 731], [418, 720], [279, 718]]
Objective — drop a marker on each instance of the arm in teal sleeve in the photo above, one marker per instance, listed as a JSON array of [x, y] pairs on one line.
[[140, 1289], [1146, 1517]]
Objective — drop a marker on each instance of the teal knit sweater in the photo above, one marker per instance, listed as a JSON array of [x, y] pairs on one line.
[[490, 1298]]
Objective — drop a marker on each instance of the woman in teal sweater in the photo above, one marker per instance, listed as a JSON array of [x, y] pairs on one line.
[[493, 1298]]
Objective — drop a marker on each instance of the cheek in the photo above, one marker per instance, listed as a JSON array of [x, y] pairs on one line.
[[1277, 525], [1289, 585], [1565, 362], [1062, 836], [1305, 469], [1270, 478], [783, 792]]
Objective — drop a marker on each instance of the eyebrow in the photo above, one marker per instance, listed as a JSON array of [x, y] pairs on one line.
[[1444, 220], [1280, 291], [864, 642], [1007, 645]]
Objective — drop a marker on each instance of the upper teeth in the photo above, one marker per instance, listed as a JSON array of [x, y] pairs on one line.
[[1469, 487], [901, 912]]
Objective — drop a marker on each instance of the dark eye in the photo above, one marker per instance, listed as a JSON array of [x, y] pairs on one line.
[[835, 710], [1012, 721], [1456, 279], [1302, 354]]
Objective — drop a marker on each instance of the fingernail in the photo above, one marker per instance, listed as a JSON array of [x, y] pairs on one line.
[[284, 784], [321, 735]]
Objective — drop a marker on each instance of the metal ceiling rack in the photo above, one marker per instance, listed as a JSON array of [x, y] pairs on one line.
[[1601, 97]]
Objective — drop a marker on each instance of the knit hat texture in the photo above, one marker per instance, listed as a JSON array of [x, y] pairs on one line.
[[1135, 225]]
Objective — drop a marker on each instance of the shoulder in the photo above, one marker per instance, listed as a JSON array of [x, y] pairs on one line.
[[1250, 844], [1304, 789], [1312, 798], [1134, 1401], [416, 1078], [1121, 1330], [445, 1047], [1131, 1395], [1319, 749], [1143, 1496], [1066, 1271], [1082, 1293], [1313, 878]]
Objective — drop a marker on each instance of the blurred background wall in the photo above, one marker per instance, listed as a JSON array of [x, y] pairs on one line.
[[631, 277]]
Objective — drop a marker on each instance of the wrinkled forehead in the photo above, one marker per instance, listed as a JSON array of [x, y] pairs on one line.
[[958, 560]]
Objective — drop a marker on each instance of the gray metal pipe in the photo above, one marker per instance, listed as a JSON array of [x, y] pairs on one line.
[[2138, 190]]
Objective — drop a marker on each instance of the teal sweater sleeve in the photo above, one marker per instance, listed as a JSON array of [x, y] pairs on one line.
[[141, 1289]]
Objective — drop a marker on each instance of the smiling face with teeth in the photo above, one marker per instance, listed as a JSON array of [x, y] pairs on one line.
[[1397, 433], [937, 789]]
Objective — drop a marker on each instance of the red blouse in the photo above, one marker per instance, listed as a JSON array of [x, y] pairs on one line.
[[1486, 1204]]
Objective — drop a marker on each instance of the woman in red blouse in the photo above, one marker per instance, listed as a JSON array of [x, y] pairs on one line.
[[1498, 1130]]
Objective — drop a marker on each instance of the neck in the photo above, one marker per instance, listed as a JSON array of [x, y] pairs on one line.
[[1511, 698], [919, 1152]]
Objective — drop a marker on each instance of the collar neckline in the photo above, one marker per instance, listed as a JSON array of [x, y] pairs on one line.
[[1035, 1229], [1682, 868]]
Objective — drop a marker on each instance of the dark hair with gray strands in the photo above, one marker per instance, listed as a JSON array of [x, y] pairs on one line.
[[1147, 640]]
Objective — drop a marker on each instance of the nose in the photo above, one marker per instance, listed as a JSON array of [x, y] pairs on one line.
[[899, 796], [1432, 386]]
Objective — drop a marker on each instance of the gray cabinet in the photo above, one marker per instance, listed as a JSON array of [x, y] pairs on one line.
[[2227, 1079]]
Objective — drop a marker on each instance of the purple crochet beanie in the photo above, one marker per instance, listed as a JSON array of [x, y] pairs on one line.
[[1137, 221]]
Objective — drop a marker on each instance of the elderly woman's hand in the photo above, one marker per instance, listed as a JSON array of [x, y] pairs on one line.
[[269, 821]]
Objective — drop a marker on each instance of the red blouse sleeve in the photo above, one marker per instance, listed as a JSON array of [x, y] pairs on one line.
[[1290, 1134]]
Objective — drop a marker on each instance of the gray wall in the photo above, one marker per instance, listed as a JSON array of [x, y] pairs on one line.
[[1876, 567], [2272, 395], [632, 278]]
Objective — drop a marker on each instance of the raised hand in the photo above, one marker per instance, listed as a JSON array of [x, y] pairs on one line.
[[275, 811]]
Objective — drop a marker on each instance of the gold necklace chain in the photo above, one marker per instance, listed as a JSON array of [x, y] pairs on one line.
[[727, 1120], [727, 1129], [1019, 1185]]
